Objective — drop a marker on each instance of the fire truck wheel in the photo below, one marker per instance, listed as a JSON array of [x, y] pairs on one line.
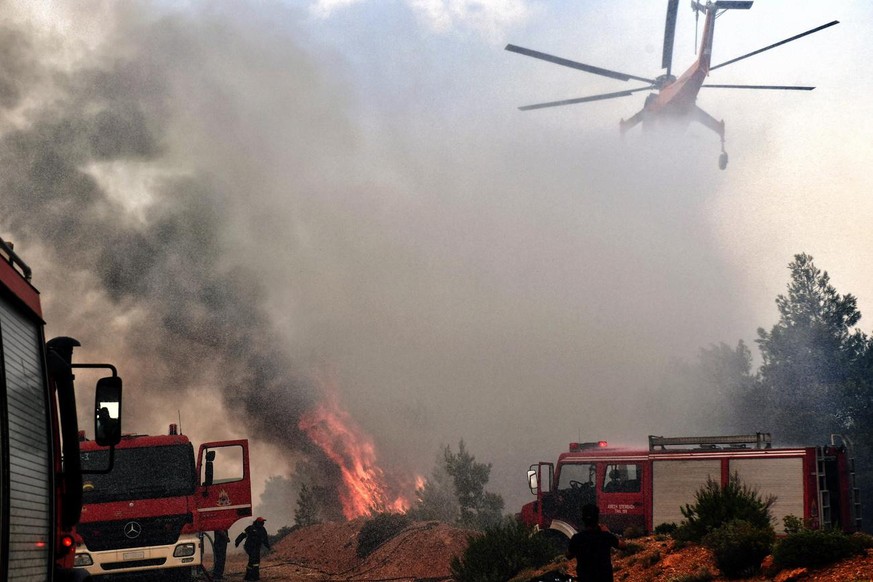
[[558, 540], [177, 575]]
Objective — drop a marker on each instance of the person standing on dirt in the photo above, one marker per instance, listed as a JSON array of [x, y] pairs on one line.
[[255, 536], [592, 548], [219, 551]]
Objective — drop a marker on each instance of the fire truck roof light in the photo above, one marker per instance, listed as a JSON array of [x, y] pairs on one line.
[[576, 447]]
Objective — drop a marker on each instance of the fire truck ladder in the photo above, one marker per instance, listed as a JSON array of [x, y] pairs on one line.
[[854, 491], [825, 518], [761, 440]]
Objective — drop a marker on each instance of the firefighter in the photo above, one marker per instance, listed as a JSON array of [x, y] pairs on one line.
[[255, 536], [219, 549], [592, 548]]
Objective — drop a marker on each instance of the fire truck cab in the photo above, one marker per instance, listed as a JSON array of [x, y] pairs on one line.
[[639, 488], [148, 515]]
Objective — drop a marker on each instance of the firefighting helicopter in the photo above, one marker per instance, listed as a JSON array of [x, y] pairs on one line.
[[675, 97]]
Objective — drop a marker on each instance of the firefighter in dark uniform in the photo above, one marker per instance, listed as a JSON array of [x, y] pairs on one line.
[[255, 536], [592, 548], [219, 549]]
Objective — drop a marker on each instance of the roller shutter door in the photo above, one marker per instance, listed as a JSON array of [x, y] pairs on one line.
[[26, 482], [780, 477], [674, 483]]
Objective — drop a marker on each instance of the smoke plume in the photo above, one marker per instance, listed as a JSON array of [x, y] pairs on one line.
[[211, 198], [102, 169]]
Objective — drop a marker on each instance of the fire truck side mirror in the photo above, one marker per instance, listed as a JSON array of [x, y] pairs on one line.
[[209, 470], [532, 481], [107, 411]]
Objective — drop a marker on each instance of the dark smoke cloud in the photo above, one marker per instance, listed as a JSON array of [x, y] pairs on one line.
[[202, 317]]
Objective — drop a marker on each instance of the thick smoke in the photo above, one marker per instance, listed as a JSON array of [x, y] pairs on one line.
[[192, 315], [214, 203]]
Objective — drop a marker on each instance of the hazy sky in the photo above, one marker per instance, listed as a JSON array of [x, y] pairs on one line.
[[464, 269]]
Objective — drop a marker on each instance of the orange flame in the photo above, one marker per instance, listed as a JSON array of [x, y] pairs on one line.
[[345, 443]]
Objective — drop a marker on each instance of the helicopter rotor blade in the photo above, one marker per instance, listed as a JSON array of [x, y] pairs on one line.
[[575, 65], [590, 98], [774, 45], [669, 35], [781, 87]]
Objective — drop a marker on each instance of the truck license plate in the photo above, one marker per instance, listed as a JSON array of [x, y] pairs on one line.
[[133, 555]]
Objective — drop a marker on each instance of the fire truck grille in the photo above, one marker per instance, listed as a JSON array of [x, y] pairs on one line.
[[132, 533], [134, 564]]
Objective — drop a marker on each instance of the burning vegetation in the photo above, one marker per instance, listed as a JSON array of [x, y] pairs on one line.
[[364, 488]]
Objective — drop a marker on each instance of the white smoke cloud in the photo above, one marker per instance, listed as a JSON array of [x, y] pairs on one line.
[[489, 18]]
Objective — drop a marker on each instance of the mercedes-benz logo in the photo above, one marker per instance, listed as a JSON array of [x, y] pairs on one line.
[[132, 529]]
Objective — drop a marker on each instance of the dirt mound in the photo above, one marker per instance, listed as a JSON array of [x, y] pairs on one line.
[[327, 547], [422, 551]]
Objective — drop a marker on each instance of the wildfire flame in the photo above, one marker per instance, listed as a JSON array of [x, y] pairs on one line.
[[345, 443]]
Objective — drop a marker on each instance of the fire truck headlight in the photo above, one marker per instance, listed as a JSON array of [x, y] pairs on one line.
[[183, 550], [82, 560]]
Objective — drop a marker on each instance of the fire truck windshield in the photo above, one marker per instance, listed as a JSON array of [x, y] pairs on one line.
[[577, 475], [139, 473]]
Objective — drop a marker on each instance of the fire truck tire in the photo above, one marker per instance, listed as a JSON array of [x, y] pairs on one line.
[[177, 575], [558, 540], [74, 575]]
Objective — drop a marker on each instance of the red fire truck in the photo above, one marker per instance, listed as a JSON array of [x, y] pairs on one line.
[[644, 488], [149, 513], [40, 474]]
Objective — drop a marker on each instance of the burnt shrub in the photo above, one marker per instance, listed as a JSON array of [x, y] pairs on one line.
[[631, 548], [651, 559], [665, 528], [714, 506], [739, 547], [378, 530], [501, 552], [863, 541], [809, 548]]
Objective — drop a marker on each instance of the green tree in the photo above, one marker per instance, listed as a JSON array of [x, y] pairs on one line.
[[478, 508], [711, 394], [437, 499], [812, 356], [727, 372], [307, 512], [456, 492]]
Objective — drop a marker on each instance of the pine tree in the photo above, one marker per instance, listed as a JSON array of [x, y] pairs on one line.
[[456, 492], [307, 512], [811, 355]]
